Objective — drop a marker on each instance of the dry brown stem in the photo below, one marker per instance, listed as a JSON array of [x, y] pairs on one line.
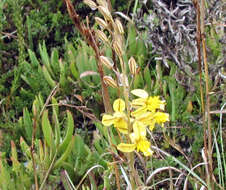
[[91, 40], [200, 10]]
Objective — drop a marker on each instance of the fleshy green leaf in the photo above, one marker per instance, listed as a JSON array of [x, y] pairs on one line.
[[69, 133], [65, 154], [47, 130]]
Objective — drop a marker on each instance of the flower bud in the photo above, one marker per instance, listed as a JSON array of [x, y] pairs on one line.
[[118, 48], [101, 22], [110, 81], [102, 36], [91, 4], [119, 26], [132, 66], [105, 12], [106, 61], [102, 3]]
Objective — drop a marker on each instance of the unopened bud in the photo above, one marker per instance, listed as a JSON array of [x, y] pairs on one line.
[[118, 48], [102, 3], [132, 66], [106, 61], [119, 26], [102, 36], [110, 81], [101, 22], [91, 4], [105, 12]]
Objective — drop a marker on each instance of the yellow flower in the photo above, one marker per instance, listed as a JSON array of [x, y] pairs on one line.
[[138, 139], [161, 118], [118, 119], [145, 103], [150, 119]]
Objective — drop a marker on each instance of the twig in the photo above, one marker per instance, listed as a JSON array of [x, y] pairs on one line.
[[52, 93]]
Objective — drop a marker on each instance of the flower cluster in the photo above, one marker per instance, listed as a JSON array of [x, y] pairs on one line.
[[147, 112]]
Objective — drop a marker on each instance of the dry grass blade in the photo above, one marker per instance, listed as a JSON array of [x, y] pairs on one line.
[[186, 180], [92, 168], [181, 164], [160, 170]]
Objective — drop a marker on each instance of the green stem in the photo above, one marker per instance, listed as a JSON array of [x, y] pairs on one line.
[[173, 110], [132, 171]]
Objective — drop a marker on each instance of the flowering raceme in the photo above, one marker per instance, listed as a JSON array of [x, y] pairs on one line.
[[147, 112]]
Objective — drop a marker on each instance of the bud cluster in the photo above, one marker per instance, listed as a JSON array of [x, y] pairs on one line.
[[111, 33]]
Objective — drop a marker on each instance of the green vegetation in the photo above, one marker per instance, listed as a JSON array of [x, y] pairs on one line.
[[112, 95]]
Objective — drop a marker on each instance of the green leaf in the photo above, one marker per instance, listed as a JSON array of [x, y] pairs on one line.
[[74, 70], [47, 131], [25, 148], [55, 61], [80, 149], [132, 44], [56, 121], [13, 150], [147, 78], [66, 153], [41, 151], [71, 56], [33, 58], [47, 76], [138, 81], [69, 133], [63, 80], [28, 125], [5, 179], [45, 58]]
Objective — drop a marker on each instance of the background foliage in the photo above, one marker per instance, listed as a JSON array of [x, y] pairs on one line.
[[42, 56]]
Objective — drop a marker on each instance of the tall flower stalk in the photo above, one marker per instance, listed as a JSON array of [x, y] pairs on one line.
[[130, 118]]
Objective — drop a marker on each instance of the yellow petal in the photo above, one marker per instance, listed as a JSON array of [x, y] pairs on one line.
[[126, 147], [149, 152], [154, 103], [119, 115], [121, 125], [146, 118], [136, 133], [108, 120], [139, 102], [152, 125], [143, 145], [119, 105], [138, 112], [139, 129], [140, 93], [161, 117]]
